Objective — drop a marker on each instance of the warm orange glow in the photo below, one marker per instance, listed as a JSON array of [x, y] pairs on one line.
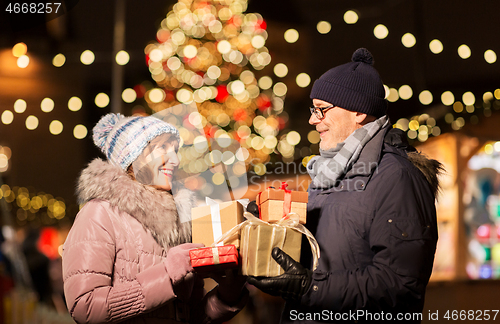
[[19, 49]]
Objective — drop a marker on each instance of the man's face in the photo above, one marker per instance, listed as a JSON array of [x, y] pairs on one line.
[[337, 125]]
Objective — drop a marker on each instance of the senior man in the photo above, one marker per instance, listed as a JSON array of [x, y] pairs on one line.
[[371, 208]]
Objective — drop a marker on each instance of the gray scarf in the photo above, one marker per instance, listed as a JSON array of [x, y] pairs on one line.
[[327, 168]]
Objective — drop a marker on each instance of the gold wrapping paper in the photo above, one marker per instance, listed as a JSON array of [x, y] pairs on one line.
[[258, 238], [257, 242]]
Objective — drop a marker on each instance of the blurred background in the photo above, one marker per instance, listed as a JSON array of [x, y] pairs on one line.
[[249, 66]]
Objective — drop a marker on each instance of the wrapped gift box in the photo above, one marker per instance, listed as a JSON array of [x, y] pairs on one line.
[[257, 242], [211, 221], [209, 259], [272, 204]]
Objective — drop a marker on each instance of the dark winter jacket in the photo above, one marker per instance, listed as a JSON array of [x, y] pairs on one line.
[[377, 234]]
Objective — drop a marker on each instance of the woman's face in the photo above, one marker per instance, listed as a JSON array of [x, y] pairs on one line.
[[158, 162]]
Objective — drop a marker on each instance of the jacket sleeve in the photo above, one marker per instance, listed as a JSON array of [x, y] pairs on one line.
[[402, 238], [212, 309], [88, 264]]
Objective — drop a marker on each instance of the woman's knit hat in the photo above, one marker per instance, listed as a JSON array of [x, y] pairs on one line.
[[122, 139], [354, 86]]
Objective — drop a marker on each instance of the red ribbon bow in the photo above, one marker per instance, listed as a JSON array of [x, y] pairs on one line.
[[287, 201]]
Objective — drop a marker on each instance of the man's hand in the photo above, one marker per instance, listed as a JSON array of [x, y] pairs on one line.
[[291, 285]]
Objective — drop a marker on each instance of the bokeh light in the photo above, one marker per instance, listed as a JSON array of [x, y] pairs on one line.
[[280, 89], [291, 35], [313, 137], [393, 95], [55, 127], [80, 131], [156, 95], [20, 106], [303, 80], [425, 97], [436, 46], [350, 17], [87, 57], [468, 98], [59, 60], [281, 70], [23, 61], [408, 40], [19, 49], [101, 100], [122, 58], [447, 98], [265, 82], [293, 138], [464, 51], [47, 105], [405, 92], [7, 117], [31, 122], [129, 95], [380, 31], [324, 27], [258, 41], [75, 104], [490, 56]]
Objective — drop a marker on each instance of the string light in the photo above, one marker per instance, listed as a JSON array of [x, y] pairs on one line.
[[122, 58], [59, 60], [324, 27], [436, 46], [87, 57], [350, 17], [47, 105], [80, 131], [20, 106], [291, 35], [19, 49], [380, 31], [408, 40]]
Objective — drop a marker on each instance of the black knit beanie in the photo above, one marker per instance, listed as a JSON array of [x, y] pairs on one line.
[[354, 86]]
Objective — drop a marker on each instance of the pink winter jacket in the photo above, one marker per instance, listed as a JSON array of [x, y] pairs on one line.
[[114, 256]]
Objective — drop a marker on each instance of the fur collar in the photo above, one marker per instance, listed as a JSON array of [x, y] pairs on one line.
[[431, 169], [156, 210]]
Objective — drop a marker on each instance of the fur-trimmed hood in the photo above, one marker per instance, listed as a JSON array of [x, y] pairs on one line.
[[431, 168], [158, 211]]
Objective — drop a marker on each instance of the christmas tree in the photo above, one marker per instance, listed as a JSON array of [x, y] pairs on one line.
[[208, 53]]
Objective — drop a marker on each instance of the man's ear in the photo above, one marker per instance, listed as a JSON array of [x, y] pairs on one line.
[[362, 118]]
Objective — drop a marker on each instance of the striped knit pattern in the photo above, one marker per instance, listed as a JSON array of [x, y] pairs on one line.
[[327, 168], [122, 139]]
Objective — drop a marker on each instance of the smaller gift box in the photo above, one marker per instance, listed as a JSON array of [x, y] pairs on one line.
[[216, 258], [274, 204], [211, 221]]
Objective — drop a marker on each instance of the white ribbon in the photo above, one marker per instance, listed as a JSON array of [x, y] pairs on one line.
[[291, 221], [215, 216]]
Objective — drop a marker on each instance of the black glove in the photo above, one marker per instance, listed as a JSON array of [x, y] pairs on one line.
[[253, 208], [291, 285]]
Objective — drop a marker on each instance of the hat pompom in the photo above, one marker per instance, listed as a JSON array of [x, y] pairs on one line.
[[362, 55], [102, 129]]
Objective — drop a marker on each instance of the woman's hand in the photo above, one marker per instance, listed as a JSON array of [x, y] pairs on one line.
[[179, 269]]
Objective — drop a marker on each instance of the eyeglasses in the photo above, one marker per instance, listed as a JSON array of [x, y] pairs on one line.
[[319, 112]]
